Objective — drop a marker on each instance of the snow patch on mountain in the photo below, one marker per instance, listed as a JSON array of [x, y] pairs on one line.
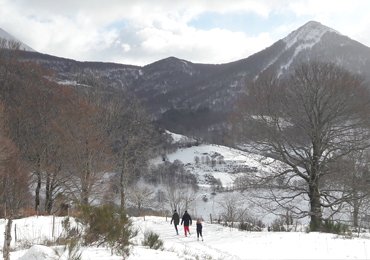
[[310, 33], [304, 38]]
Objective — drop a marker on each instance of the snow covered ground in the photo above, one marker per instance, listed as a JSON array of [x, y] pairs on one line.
[[219, 243], [229, 164]]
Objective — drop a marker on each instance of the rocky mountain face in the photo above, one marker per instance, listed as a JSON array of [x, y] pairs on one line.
[[195, 99]]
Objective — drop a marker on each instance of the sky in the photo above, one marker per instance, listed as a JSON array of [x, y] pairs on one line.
[[139, 32]]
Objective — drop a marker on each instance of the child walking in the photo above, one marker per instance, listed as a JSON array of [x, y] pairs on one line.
[[199, 229]]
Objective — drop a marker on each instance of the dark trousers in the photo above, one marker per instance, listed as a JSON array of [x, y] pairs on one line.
[[199, 232], [176, 229]]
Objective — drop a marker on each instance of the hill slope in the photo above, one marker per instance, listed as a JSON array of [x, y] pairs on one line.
[[195, 99], [219, 243]]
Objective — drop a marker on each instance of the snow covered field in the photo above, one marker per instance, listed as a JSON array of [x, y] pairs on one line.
[[219, 243], [232, 161]]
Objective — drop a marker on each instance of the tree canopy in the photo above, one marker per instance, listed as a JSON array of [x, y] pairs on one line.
[[309, 121]]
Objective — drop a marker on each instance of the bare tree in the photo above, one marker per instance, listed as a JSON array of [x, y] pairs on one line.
[[89, 152], [140, 196], [29, 95], [7, 239], [308, 121], [354, 178], [14, 176], [133, 139], [233, 207], [110, 131], [179, 197]]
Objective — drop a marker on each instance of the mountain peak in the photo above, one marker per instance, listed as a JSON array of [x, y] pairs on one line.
[[310, 33]]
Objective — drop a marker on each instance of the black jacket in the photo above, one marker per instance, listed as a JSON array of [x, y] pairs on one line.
[[199, 226], [175, 218], [186, 219]]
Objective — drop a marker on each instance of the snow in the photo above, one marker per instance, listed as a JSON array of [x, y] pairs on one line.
[[310, 34], [177, 138], [234, 164], [307, 36], [220, 242], [38, 252]]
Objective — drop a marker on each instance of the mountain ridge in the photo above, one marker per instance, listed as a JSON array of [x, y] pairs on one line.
[[196, 98]]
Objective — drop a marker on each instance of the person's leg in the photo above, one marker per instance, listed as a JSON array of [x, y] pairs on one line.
[[185, 230], [177, 232]]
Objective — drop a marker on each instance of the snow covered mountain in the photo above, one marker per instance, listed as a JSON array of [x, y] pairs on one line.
[[316, 42], [5, 35], [195, 99], [311, 33]]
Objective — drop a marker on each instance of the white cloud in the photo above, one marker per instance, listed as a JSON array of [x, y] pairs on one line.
[[144, 31]]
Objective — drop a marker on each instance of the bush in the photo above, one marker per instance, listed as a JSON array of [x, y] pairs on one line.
[[245, 226], [328, 226], [278, 225], [71, 250], [151, 239], [71, 241], [336, 228], [107, 225]]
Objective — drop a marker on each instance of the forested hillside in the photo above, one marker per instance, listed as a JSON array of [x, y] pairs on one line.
[[62, 143]]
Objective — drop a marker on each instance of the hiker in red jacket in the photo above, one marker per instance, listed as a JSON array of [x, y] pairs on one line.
[[186, 219]]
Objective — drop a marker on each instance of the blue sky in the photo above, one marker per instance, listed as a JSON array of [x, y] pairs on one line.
[[251, 24], [143, 31]]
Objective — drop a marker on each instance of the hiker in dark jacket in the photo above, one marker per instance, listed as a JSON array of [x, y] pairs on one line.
[[186, 219], [176, 220], [199, 229]]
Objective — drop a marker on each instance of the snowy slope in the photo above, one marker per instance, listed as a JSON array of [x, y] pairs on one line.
[[310, 34], [219, 243], [228, 164], [316, 42], [229, 161]]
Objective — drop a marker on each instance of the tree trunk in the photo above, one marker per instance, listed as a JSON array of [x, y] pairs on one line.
[[37, 192], [356, 209], [7, 239], [48, 194], [85, 188], [316, 214], [38, 186], [122, 184]]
